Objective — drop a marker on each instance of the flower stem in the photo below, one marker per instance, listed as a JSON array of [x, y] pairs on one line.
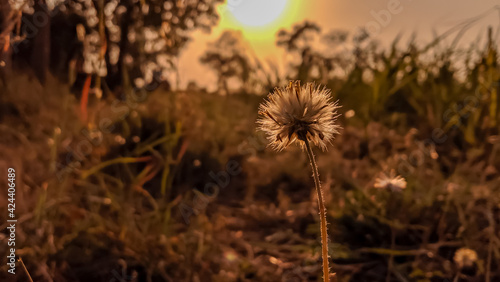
[[322, 213]]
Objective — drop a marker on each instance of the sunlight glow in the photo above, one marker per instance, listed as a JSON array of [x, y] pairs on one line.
[[260, 20], [257, 12]]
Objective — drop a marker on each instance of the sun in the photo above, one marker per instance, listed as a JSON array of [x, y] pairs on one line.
[[256, 13], [259, 20]]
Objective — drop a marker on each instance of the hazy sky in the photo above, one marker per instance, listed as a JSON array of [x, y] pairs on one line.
[[406, 16]]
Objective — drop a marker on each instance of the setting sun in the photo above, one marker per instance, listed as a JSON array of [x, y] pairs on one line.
[[257, 12], [259, 21]]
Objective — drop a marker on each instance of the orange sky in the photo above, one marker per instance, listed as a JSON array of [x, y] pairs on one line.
[[406, 16]]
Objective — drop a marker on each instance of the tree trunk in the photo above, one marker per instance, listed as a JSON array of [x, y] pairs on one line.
[[40, 55], [5, 48], [124, 43]]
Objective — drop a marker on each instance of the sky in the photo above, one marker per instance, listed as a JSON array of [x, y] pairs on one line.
[[384, 18]]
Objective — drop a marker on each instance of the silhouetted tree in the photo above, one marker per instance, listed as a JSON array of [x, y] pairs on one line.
[[40, 54], [227, 56], [149, 35], [298, 42], [124, 40]]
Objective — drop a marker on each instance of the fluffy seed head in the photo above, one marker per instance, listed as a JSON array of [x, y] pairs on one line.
[[295, 113], [392, 181], [465, 257]]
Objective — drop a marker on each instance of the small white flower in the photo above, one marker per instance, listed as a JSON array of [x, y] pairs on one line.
[[465, 257], [391, 181], [294, 113]]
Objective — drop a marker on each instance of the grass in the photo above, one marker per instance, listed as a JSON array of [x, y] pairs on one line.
[[110, 214]]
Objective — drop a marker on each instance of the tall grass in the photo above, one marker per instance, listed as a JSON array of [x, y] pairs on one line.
[[117, 208]]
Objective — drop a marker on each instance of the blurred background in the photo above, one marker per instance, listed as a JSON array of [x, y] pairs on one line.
[[131, 127]]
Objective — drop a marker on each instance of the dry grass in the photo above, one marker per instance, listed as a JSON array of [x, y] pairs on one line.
[[121, 210]]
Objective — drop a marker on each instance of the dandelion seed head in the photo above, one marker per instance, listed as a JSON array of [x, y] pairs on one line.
[[392, 181], [465, 257], [298, 113]]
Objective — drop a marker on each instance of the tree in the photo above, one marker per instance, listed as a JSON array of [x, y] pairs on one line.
[[149, 35], [40, 54], [8, 23], [298, 42], [123, 39], [228, 58]]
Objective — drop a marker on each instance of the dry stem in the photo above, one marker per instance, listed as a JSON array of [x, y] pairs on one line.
[[322, 213]]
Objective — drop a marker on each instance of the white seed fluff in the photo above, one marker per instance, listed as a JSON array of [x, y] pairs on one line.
[[294, 113]]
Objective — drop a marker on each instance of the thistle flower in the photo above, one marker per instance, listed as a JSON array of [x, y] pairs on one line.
[[304, 114], [392, 181], [465, 257], [295, 113]]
